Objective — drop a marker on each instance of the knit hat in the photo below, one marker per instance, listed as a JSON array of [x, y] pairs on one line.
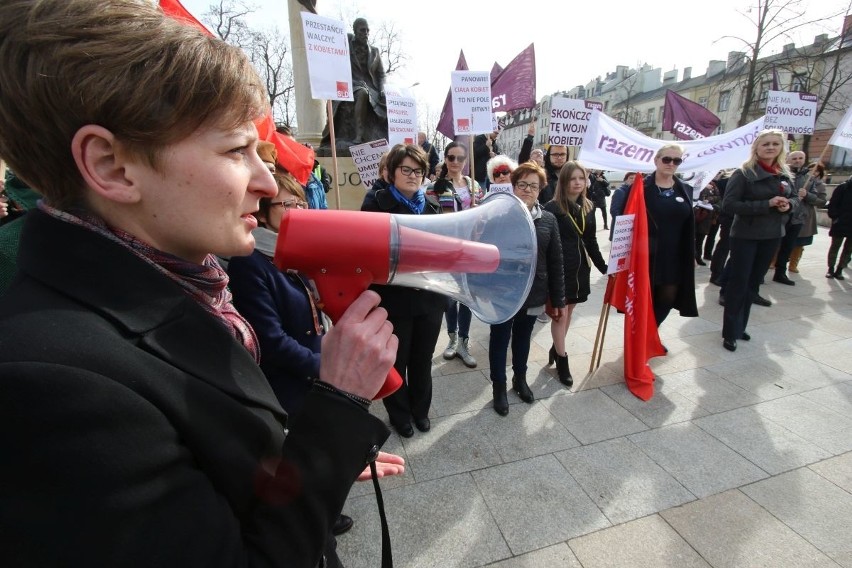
[[267, 152]]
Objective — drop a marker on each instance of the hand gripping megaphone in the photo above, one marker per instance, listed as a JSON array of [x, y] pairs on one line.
[[483, 257]]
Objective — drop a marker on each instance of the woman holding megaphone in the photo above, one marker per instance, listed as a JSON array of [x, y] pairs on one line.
[[549, 284], [415, 314]]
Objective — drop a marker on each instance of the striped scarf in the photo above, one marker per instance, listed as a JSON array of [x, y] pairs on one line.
[[206, 283]]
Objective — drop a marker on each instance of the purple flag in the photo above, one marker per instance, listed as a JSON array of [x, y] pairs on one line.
[[687, 120], [495, 72], [445, 121], [514, 87]]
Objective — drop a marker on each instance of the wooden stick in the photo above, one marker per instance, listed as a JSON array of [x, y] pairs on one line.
[[333, 143]]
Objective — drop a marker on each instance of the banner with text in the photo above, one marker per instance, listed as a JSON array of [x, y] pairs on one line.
[[366, 158], [500, 188], [794, 113], [327, 49], [569, 120], [402, 116], [843, 133], [610, 145], [622, 241], [471, 91]]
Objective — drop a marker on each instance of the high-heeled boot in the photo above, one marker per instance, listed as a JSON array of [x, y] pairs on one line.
[[520, 386], [562, 370], [501, 401], [551, 356]]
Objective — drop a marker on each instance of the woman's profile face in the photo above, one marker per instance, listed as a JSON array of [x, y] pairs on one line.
[[202, 197]]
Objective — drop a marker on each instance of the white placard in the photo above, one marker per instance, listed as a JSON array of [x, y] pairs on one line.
[[569, 120], [327, 49], [794, 113], [402, 116], [366, 158], [843, 133], [500, 188], [622, 242], [471, 95]]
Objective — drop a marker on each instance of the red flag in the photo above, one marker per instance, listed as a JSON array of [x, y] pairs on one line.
[[687, 120], [631, 293], [445, 122], [292, 156]]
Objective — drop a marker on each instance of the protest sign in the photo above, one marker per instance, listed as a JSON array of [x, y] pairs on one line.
[[366, 158], [471, 93], [843, 133], [500, 188], [569, 120], [622, 240], [327, 49], [793, 113], [402, 116]]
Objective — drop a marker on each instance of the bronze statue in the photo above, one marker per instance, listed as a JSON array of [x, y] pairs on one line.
[[365, 119]]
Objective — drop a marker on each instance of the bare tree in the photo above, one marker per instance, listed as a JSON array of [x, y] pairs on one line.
[[226, 17], [388, 40], [773, 20]]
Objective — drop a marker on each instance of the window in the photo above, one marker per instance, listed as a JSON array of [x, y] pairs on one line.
[[765, 87], [650, 116], [702, 101], [800, 83], [724, 101]]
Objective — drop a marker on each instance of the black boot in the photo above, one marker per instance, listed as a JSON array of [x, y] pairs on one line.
[[551, 356], [563, 371], [501, 402], [520, 386]]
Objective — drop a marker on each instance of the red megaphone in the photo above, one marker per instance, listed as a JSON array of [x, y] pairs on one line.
[[344, 252]]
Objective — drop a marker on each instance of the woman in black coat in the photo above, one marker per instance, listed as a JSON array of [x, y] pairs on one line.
[[415, 314], [759, 196], [840, 212], [575, 215], [548, 285]]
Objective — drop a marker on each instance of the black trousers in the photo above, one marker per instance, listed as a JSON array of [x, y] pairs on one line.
[[417, 338], [720, 254], [748, 263]]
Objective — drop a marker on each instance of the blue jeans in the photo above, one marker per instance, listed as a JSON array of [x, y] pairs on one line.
[[745, 269], [519, 329], [458, 318]]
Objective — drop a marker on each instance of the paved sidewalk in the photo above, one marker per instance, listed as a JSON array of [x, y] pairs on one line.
[[740, 459]]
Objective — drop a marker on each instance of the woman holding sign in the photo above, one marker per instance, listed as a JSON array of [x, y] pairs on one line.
[[575, 214]]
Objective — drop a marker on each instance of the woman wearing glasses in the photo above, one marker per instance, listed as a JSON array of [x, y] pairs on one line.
[[415, 314], [527, 180], [500, 169], [671, 236], [457, 192]]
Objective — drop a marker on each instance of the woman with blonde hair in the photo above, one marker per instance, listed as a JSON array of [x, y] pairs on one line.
[[575, 215], [760, 196]]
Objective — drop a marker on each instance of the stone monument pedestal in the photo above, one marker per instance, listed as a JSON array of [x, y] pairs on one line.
[[351, 189]]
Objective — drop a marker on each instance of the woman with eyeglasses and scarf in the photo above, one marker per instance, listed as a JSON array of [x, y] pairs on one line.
[[415, 314], [671, 235]]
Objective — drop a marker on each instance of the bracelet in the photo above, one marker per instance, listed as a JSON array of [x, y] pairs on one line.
[[360, 401]]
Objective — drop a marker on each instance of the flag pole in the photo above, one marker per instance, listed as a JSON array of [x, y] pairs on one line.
[[333, 143], [600, 335], [472, 165]]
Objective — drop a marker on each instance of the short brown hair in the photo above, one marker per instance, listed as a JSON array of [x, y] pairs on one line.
[[119, 64], [399, 152], [527, 168]]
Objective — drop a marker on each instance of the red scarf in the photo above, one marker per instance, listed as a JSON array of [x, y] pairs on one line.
[[772, 168]]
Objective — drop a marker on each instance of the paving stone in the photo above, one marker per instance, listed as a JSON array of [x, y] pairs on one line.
[[760, 376], [696, 459], [528, 430], [837, 397], [829, 429], [462, 392], [536, 503], [454, 444], [760, 440], [440, 523], [813, 507], [591, 416], [731, 530], [643, 543], [837, 470], [622, 481], [708, 390], [557, 555], [665, 407]]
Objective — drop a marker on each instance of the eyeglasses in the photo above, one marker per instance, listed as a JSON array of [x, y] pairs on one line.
[[669, 160], [522, 185], [559, 155], [503, 172], [406, 171], [454, 158], [289, 203]]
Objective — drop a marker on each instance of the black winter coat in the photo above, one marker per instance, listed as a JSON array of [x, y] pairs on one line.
[[840, 210], [576, 250], [549, 281]]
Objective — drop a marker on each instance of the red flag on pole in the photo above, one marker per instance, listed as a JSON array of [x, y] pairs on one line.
[[631, 293], [292, 156]]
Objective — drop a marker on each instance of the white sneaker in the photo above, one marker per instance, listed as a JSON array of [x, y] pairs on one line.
[[543, 317]]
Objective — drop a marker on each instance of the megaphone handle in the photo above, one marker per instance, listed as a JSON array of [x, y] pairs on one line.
[[392, 384]]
